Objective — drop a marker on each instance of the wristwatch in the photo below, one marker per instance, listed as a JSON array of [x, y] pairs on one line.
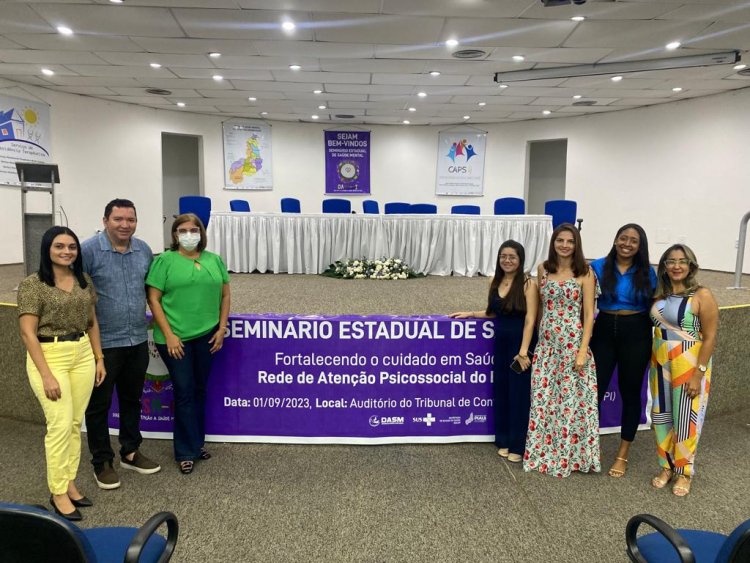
[[702, 368]]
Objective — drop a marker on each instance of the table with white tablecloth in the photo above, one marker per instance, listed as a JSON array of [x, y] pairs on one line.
[[295, 243]]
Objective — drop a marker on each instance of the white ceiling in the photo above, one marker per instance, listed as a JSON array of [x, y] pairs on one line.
[[369, 58]]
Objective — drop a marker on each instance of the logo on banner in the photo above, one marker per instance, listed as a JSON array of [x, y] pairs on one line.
[[376, 421], [479, 418], [428, 420], [451, 420]]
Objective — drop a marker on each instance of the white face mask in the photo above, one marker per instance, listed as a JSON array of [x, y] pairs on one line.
[[189, 241]]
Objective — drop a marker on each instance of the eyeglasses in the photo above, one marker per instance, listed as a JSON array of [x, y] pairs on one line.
[[508, 257], [671, 263], [193, 231]]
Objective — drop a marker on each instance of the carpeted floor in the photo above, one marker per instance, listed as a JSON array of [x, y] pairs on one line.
[[410, 503]]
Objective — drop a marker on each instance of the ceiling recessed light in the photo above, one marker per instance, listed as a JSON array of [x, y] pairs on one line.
[[577, 97], [422, 94], [616, 78], [294, 67], [518, 58], [288, 26], [181, 104], [317, 91], [467, 117], [452, 42], [321, 107], [482, 104], [154, 65], [252, 99], [116, 1], [214, 55], [546, 112], [406, 122], [434, 73], [503, 86], [412, 109], [218, 77], [64, 30], [676, 89], [264, 113], [578, 18], [314, 117], [47, 72], [739, 66], [673, 45]]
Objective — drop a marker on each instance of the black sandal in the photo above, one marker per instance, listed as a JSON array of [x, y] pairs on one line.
[[204, 455], [186, 467]]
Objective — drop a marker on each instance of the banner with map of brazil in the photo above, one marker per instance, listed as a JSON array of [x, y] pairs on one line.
[[24, 135], [460, 162], [247, 155]]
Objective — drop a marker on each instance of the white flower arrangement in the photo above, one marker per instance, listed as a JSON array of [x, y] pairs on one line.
[[382, 269]]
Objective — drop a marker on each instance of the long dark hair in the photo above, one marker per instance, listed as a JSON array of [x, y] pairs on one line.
[[46, 273], [641, 278], [515, 301], [579, 266]]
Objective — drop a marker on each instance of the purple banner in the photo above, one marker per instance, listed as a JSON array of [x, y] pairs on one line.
[[347, 162], [374, 379]]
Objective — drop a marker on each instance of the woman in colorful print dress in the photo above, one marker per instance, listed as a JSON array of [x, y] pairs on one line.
[[563, 431], [685, 317]]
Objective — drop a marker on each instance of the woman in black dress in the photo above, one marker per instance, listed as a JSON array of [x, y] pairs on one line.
[[513, 301]]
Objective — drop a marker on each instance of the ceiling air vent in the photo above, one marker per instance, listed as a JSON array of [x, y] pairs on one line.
[[344, 116], [469, 54], [585, 103], [158, 92]]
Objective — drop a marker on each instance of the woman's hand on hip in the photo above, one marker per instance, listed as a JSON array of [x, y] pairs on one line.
[[174, 346], [217, 341], [51, 388]]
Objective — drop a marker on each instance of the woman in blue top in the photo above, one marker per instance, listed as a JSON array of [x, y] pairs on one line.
[[622, 331]]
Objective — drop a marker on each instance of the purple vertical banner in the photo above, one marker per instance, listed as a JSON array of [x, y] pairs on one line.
[[347, 162]]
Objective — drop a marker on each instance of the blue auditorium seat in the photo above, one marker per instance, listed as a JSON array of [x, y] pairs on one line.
[[290, 205], [562, 211], [370, 206], [510, 206], [466, 210], [397, 207], [198, 205], [423, 208], [337, 205], [239, 205]]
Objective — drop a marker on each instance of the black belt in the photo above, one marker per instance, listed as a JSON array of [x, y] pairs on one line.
[[74, 337]]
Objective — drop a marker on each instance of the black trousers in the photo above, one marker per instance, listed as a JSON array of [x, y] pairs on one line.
[[126, 370], [623, 341]]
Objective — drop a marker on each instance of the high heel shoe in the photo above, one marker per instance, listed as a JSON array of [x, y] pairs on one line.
[[83, 502], [74, 516]]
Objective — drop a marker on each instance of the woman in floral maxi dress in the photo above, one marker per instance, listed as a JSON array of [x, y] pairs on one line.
[[563, 431]]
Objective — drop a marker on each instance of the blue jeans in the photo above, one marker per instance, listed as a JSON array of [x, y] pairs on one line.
[[189, 376]]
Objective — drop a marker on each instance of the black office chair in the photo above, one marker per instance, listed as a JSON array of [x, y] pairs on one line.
[[29, 533], [685, 546]]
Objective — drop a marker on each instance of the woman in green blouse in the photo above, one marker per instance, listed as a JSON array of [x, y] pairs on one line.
[[188, 293]]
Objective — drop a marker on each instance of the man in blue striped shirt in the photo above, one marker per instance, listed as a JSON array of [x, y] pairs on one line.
[[118, 263]]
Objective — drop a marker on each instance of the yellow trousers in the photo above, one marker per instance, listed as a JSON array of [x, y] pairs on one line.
[[72, 364]]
